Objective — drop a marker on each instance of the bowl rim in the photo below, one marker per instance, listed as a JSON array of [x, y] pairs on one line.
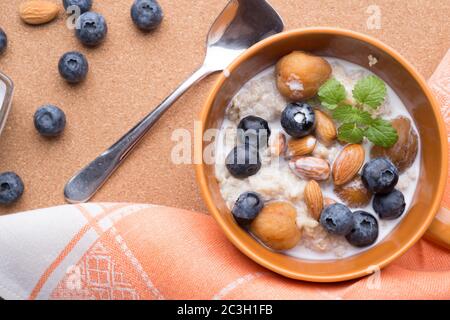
[[200, 168]]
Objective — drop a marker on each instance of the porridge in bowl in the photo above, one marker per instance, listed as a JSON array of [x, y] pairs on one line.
[[317, 158]]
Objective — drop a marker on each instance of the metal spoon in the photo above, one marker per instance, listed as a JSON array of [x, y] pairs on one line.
[[240, 25]]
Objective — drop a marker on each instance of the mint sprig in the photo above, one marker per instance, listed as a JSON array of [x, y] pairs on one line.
[[331, 94], [350, 132], [350, 114], [370, 91], [381, 133], [356, 123]]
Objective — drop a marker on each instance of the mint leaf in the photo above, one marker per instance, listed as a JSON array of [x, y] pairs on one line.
[[350, 132], [331, 93], [329, 106], [381, 133], [370, 91], [348, 113]]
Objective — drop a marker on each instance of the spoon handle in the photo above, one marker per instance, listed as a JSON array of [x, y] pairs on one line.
[[83, 185]]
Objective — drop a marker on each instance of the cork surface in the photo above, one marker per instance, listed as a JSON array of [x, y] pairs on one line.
[[131, 72]]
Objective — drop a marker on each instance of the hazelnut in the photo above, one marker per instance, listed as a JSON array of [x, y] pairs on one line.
[[276, 226], [354, 193], [300, 75], [404, 151]]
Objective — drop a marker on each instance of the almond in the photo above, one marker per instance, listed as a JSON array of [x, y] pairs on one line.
[[310, 168], [325, 128], [302, 146], [38, 11], [314, 199], [277, 144], [347, 163]]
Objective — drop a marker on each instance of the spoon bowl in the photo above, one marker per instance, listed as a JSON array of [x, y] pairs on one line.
[[240, 25]]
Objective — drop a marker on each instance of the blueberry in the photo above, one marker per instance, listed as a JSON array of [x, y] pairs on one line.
[[84, 5], [298, 119], [243, 161], [91, 28], [254, 130], [49, 120], [3, 41], [389, 206], [146, 14], [247, 207], [379, 175], [11, 187], [337, 219], [73, 66], [364, 231]]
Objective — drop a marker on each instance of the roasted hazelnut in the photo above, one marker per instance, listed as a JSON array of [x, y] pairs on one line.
[[354, 194], [276, 226], [300, 75]]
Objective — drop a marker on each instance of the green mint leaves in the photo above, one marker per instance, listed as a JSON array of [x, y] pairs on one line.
[[350, 132], [381, 133], [349, 114], [331, 94], [370, 91], [356, 123]]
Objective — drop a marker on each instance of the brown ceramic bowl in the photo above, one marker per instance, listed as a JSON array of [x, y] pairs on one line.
[[415, 94]]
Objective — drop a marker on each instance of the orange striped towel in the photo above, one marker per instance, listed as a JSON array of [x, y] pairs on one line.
[[133, 251]]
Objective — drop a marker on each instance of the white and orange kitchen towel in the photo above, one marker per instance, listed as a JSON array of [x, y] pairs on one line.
[[137, 251]]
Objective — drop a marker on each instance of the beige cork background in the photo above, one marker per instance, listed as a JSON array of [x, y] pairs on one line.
[[131, 72]]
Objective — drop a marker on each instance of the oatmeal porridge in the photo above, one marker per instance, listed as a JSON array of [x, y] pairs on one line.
[[317, 157]]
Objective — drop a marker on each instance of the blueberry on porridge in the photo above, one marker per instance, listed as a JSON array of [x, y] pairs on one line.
[[254, 130], [247, 207], [243, 161], [298, 119], [317, 157], [390, 205], [364, 231]]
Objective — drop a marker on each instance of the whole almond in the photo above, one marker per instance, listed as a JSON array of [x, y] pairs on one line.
[[302, 146], [38, 11], [314, 199], [325, 128], [277, 144], [310, 168], [347, 163]]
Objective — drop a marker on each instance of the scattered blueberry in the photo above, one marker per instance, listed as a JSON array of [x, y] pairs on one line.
[[73, 66], [243, 161], [11, 187], [49, 120], [3, 41], [364, 231], [254, 130], [337, 219], [84, 5], [298, 119], [379, 175], [91, 28], [146, 14], [389, 206], [247, 207]]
